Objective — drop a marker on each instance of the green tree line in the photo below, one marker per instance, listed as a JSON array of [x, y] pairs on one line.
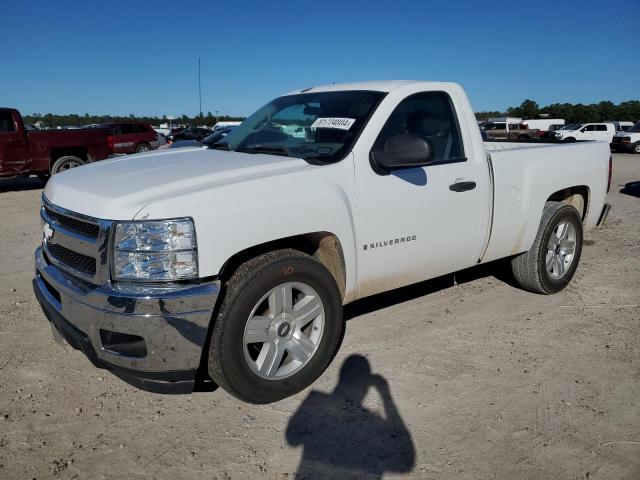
[[573, 113], [51, 120]]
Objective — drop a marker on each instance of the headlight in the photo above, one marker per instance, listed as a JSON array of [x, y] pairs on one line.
[[162, 250]]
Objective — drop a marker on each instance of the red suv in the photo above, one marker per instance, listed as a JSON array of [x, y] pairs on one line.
[[130, 137]]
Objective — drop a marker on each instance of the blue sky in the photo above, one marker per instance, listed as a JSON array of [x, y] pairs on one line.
[[122, 57]]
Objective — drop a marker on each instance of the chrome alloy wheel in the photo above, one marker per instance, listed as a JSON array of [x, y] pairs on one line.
[[283, 331], [561, 249]]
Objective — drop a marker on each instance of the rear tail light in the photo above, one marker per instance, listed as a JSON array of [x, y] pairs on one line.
[[110, 143], [610, 173]]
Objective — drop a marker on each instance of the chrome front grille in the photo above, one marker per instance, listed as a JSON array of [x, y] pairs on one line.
[[88, 229], [76, 243], [75, 260]]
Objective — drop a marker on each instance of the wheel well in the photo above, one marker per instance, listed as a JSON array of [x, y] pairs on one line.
[[79, 152], [323, 246], [576, 196]]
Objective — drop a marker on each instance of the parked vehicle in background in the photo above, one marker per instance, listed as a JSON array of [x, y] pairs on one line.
[[550, 133], [602, 132], [622, 126], [130, 136], [161, 139], [192, 133], [543, 125], [289, 230], [27, 151], [627, 141], [509, 131]]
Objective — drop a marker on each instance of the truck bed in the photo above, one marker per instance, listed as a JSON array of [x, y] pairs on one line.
[[524, 172]]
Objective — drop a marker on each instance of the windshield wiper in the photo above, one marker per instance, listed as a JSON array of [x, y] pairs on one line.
[[268, 150]]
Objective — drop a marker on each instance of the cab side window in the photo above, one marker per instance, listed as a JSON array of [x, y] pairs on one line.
[[6, 122], [431, 116]]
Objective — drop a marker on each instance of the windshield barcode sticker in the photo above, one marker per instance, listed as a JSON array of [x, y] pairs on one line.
[[338, 123]]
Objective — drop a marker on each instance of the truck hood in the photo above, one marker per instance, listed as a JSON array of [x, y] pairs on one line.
[[119, 188]]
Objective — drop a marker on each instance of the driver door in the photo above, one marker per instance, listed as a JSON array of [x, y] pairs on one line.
[[421, 222]]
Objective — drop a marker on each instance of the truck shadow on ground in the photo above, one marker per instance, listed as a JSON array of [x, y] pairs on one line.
[[631, 188], [21, 183], [342, 439], [499, 269]]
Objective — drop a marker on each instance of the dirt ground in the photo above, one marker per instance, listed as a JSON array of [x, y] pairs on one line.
[[462, 377]]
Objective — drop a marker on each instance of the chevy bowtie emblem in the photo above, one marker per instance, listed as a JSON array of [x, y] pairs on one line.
[[48, 232]]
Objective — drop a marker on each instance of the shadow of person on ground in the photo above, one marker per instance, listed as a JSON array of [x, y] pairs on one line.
[[342, 439], [15, 184], [631, 188]]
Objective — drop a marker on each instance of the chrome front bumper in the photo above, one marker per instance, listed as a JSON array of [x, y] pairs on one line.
[[172, 321]]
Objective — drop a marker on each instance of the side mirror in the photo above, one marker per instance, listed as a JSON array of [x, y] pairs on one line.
[[403, 151]]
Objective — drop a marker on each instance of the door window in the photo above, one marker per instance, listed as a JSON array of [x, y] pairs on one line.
[[6, 122], [601, 128], [431, 116]]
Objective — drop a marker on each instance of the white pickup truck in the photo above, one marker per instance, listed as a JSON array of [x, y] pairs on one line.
[[232, 264]]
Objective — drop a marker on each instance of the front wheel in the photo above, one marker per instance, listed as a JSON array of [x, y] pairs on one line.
[[553, 258], [66, 163], [636, 148], [278, 327]]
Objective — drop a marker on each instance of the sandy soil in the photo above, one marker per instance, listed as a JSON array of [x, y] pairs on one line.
[[469, 378]]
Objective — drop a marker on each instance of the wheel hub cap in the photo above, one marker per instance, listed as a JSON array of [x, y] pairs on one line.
[[561, 250], [283, 331]]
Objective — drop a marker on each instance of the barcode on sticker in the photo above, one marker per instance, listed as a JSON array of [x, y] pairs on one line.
[[338, 123]]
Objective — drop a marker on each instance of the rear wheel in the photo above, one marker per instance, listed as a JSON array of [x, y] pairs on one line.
[[66, 163], [143, 147], [278, 328], [553, 258], [636, 148]]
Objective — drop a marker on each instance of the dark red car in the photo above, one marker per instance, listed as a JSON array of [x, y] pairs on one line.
[[44, 152], [130, 136]]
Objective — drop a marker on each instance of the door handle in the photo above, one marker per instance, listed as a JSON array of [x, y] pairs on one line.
[[462, 186]]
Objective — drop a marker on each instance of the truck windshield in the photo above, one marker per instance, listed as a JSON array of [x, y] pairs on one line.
[[314, 126], [635, 128], [572, 126]]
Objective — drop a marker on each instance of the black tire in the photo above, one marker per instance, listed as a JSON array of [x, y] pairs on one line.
[[250, 282], [529, 268], [636, 148], [66, 163], [143, 147], [569, 140]]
